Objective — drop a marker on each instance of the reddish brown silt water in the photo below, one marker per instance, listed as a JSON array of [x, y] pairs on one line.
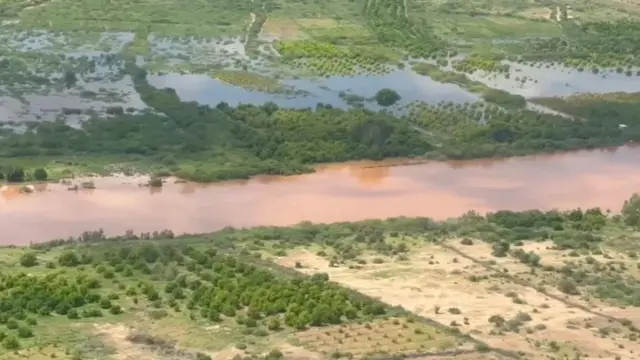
[[349, 192]]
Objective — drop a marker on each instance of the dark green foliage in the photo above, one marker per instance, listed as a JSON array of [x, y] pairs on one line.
[[11, 343], [387, 97], [115, 309], [12, 324], [40, 174], [631, 211], [29, 259], [239, 142], [24, 332], [13, 174], [69, 258]]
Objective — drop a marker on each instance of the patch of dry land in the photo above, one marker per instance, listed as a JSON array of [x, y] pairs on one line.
[[473, 288], [498, 300]]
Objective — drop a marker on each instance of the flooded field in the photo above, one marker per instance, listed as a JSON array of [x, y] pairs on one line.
[[48, 72], [549, 81], [335, 193], [333, 90]]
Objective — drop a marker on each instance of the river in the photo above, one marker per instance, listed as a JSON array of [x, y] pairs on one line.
[[343, 192]]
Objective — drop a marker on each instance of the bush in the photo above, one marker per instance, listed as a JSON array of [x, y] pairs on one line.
[[40, 174], [11, 343], [201, 356], [466, 241], [29, 259], [386, 97], [274, 324], [24, 332], [12, 324], [69, 259], [105, 303], [115, 309], [91, 312], [73, 314], [568, 286], [274, 354]]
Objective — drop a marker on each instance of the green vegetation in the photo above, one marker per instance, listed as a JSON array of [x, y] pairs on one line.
[[226, 143], [480, 130], [387, 97], [326, 58], [250, 81], [233, 142], [162, 285]]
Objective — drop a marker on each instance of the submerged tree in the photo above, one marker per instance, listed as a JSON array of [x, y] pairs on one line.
[[387, 97]]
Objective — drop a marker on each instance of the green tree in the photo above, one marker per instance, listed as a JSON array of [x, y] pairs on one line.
[[15, 174], [28, 259], [631, 211], [69, 258], [11, 343], [387, 97], [40, 174]]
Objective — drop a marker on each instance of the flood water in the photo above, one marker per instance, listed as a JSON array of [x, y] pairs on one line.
[[410, 86], [349, 192]]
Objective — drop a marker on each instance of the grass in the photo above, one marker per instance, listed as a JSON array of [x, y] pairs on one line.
[[477, 28], [249, 81]]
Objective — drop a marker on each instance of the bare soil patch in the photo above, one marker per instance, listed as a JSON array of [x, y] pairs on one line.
[[435, 283], [283, 29]]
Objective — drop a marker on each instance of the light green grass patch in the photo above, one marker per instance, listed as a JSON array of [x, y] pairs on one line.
[[490, 27]]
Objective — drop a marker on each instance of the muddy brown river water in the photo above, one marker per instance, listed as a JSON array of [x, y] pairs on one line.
[[347, 192]]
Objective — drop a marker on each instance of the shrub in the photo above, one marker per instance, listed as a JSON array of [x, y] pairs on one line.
[[274, 354], [69, 259], [28, 259], [274, 324], [11, 343], [386, 97], [40, 174], [73, 314], [12, 324], [466, 241], [24, 332], [115, 309]]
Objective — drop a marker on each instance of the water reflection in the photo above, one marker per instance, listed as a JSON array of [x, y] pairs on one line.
[[558, 81], [335, 193], [411, 87]]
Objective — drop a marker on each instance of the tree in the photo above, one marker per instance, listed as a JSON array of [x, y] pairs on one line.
[[40, 174], [14, 174], [274, 324], [568, 286], [29, 259], [387, 97], [631, 211], [11, 343], [69, 258]]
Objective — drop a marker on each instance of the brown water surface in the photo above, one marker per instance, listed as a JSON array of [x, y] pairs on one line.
[[347, 192]]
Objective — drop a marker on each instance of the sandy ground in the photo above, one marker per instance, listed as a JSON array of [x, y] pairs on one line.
[[438, 277]]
